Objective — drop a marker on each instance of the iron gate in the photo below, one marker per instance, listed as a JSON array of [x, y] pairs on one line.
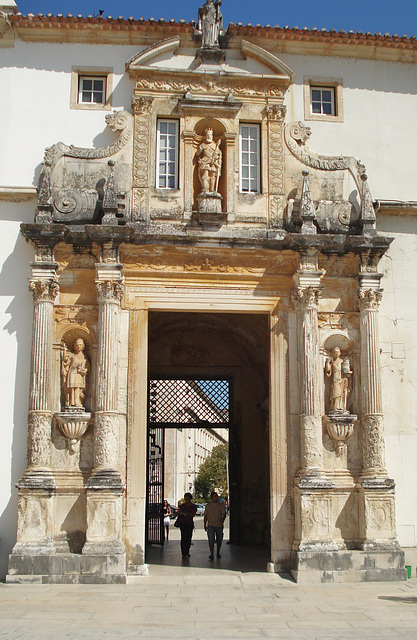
[[178, 403]]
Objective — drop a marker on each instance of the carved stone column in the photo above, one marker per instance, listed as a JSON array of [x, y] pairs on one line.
[[105, 486], [141, 106], [230, 141], [188, 137], [276, 116], [36, 488], [377, 507], [312, 505]]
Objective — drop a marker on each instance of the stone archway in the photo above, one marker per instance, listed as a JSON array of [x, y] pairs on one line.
[[235, 345]]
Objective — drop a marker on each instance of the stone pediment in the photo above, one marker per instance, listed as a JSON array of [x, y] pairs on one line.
[[251, 63]]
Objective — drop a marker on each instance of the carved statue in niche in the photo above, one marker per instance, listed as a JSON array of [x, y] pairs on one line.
[[209, 163], [338, 369], [210, 23], [75, 368]]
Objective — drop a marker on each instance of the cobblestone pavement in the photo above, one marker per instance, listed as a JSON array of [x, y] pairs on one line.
[[199, 598]]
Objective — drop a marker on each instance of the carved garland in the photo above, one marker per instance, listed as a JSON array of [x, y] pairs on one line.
[[208, 86]]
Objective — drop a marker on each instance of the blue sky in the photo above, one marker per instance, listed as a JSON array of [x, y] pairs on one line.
[[385, 16]]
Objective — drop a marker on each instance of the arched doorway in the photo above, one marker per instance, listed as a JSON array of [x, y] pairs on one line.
[[234, 347]]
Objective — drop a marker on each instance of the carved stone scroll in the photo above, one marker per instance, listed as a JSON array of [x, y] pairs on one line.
[[296, 137]]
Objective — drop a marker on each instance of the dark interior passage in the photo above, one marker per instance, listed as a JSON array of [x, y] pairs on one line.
[[235, 346]]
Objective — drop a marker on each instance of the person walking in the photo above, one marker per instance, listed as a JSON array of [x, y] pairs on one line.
[[187, 511], [214, 517], [166, 512]]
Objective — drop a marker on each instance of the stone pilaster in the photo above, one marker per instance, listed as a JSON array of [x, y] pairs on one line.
[[377, 491], [312, 504], [36, 488], [141, 106], [230, 142], [189, 150], [275, 123], [105, 486]]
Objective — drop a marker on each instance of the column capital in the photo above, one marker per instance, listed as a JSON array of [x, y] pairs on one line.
[[141, 104], [306, 297], [276, 112], [369, 299], [109, 291], [44, 289]]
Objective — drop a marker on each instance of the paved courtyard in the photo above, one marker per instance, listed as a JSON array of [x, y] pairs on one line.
[[232, 597]]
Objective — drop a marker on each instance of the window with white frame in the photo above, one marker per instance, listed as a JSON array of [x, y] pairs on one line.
[[167, 154], [322, 101], [250, 158], [92, 90]]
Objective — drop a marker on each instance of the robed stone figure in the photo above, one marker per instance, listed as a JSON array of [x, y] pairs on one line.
[[210, 23]]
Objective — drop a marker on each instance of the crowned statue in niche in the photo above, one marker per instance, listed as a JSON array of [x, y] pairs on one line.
[[74, 371], [209, 171], [210, 23], [209, 162]]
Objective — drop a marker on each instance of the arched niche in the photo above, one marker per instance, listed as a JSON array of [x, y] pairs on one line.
[[219, 129], [67, 339]]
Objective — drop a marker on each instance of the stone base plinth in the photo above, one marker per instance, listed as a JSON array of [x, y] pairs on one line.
[[209, 202], [314, 567], [67, 568]]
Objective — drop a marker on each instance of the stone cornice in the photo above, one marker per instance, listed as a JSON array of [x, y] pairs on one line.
[[99, 30], [17, 194], [142, 234]]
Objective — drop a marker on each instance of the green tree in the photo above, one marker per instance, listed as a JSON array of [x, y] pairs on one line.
[[213, 474]]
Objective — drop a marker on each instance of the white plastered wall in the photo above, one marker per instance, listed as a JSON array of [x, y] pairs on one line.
[[398, 336], [15, 346]]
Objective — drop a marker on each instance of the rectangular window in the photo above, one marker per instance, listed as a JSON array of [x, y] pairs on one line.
[[322, 101], [249, 151], [167, 154], [92, 90]]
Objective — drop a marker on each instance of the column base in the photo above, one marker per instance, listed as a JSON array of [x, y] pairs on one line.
[[67, 569], [315, 567], [37, 479], [105, 479]]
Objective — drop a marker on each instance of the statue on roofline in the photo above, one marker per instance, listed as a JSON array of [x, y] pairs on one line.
[[210, 23]]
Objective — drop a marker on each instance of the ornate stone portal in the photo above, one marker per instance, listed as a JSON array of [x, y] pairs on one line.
[[111, 249]]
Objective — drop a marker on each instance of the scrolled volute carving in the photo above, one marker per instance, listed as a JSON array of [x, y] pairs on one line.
[[45, 290], [369, 299], [117, 121], [306, 297], [109, 291]]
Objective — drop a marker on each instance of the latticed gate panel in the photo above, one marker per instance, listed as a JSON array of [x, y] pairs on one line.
[[155, 521], [190, 401], [177, 403]]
